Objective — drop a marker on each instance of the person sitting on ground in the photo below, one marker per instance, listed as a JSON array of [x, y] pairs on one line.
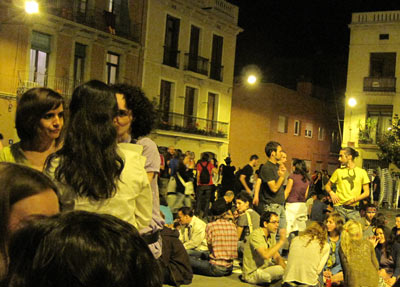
[[309, 203], [358, 257], [80, 248], [222, 243], [318, 209], [248, 219], [192, 230], [25, 194], [261, 260], [396, 228], [307, 256], [366, 221], [227, 199]]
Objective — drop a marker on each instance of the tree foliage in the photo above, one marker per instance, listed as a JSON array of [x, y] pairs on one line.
[[389, 144]]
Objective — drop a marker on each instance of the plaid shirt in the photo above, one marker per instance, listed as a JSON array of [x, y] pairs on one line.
[[222, 242]]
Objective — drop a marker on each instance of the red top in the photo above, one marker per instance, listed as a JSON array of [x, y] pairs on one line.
[[199, 168]]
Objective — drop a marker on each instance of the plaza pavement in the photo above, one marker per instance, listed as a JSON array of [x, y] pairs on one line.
[[233, 280]]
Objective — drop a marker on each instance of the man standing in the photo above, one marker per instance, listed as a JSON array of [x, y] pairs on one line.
[[350, 181], [192, 230], [261, 260], [271, 196], [245, 178], [204, 185], [376, 184]]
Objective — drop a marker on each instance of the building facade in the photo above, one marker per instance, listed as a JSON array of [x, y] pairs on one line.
[[67, 43], [299, 122], [371, 81], [188, 72]]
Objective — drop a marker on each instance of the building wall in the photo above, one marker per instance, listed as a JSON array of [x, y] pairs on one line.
[[255, 118]]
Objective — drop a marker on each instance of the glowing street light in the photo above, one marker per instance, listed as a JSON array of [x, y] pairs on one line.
[[352, 102], [31, 7], [251, 79]]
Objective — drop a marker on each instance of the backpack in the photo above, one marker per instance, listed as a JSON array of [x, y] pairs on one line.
[[204, 174]]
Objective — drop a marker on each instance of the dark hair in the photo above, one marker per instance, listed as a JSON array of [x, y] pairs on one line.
[[351, 151], [301, 168], [31, 107], [79, 248], [142, 109], [254, 156], [266, 217], [186, 210], [1, 136], [270, 147], [17, 182], [398, 215], [245, 197], [389, 239], [89, 161], [205, 157]]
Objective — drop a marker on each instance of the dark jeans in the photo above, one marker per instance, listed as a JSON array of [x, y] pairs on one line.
[[204, 267], [203, 197]]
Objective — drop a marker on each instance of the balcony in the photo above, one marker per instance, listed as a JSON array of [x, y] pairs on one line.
[[171, 57], [118, 24], [379, 84], [216, 72], [196, 64], [191, 125], [28, 80]]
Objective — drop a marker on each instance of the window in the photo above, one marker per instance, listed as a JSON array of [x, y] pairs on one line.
[[297, 128], [282, 124], [382, 65], [165, 100], [190, 107], [321, 134], [171, 42], [309, 131], [111, 4], [335, 142], [82, 6], [112, 68], [39, 58], [216, 58], [380, 117], [383, 36], [79, 63], [211, 111], [194, 48]]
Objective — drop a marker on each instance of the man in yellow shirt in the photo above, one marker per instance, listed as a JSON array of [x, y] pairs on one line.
[[352, 185]]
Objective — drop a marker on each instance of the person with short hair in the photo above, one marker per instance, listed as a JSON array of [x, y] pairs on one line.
[[366, 221], [245, 180], [80, 248], [376, 188], [261, 260], [222, 244], [352, 185], [25, 195], [205, 184], [192, 230], [396, 228], [39, 122]]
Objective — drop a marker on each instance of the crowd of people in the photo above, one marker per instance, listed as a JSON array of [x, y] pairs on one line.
[[91, 200]]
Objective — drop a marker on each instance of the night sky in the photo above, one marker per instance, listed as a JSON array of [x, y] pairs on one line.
[[291, 39]]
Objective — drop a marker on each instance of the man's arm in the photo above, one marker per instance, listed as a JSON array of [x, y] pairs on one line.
[[267, 253], [257, 187], [242, 179], [363, 195], [328, 188], [275, 185]]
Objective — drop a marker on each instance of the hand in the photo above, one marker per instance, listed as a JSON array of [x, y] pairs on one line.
[[391, 281], [335, 198], [327, 274], [281, 170], [373, 240], [256, 200], [350, 202]]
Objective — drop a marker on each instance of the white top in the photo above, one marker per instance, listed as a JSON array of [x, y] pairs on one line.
[[133, 199], [305, 263], [193, 236]]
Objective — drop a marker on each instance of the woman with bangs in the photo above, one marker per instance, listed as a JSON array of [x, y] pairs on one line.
[[307, 256], [39, 122]]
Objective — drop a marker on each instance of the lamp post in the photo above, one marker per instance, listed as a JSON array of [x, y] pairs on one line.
[[352, 102]]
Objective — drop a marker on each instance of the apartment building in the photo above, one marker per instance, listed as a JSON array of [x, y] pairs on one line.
[[67, 43], [188, 72], [301, 123], [371, 82]]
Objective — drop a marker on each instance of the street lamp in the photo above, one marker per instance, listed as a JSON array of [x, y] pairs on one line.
[[31, 7], [251, 79]]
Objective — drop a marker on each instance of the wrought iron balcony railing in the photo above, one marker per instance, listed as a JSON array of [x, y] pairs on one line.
[[196, 64], [379, 84], [171, 57], [192, 125]]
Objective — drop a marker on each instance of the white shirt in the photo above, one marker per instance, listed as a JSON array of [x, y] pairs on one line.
[[193, 236]]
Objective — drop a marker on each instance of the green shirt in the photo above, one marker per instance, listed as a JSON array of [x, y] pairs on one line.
[[13, 154]]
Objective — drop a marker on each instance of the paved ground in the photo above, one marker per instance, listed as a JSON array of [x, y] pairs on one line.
[[233, 280]]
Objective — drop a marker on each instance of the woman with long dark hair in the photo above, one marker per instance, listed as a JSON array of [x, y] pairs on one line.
[[39, 122], [296, 192], [94, 174]]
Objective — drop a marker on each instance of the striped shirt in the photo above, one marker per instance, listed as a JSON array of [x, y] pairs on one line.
[[222, 242]]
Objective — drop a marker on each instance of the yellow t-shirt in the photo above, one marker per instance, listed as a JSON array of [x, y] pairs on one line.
[[349, 182]]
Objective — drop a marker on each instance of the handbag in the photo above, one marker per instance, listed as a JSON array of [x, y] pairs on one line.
[[189, 189], [171, 187]]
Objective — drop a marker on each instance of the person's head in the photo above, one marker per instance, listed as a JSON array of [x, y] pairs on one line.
[[352, 230], [39, 116], [374, 172], [171, 150], [316, 231], [214, 162], [228, 160], [334, 224], [136, 115], [229, 196], [89, 161], [244, 201], [283, 158], [218, 210], [379, 219], [299, 167], [269, 220], [185, 215], [254, 160], [205, 157], [382, 233], [79, 248], [398, 221], [347, 155], [370, 211], [25, 194], [273, 150]]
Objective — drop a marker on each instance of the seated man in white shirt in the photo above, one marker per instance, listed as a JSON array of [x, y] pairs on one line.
[[192, 231]]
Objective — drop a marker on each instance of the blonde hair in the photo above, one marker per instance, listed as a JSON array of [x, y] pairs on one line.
[[316, 231], [352, 230]]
